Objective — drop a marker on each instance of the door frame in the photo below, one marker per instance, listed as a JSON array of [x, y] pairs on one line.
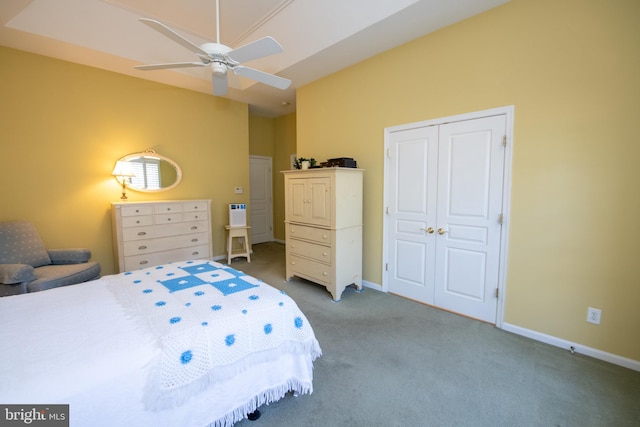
[[508, 111]]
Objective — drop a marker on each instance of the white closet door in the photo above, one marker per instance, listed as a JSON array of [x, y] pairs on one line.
[[467, 256], [445, 198], [413, 170]]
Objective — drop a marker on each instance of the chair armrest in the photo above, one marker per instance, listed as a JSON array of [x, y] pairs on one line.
[[16, 273], [69, 256]]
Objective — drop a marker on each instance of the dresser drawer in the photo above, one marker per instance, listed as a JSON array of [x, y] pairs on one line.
[[170, 218], [315, 271], [135, 221], [153, 231], [194, 207], [194, 215], [319, 235], [310, 250], [137, 247], [136, 210], [147, 260], [166, 208]]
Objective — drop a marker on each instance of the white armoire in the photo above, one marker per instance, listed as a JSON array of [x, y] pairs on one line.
[[323, 222]]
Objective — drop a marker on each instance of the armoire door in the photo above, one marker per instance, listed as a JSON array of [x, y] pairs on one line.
[[445, 201]]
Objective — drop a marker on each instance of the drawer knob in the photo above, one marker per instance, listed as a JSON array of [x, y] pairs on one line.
[[324, 254], [142, 233], [137, 210], [324, 273], [293, 230], [142, 247], [144, 262], [293, 263], [194, 227], [138, 222], [293, 246], [194, 240], [168, 219], [195, 253]]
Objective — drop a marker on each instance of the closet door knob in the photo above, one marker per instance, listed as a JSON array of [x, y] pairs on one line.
[[441, 231]]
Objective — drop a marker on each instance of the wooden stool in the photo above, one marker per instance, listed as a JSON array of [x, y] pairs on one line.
[[241, 232]]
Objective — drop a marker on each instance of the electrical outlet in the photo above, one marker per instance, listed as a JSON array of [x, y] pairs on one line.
[[593, 315], [238, 190]]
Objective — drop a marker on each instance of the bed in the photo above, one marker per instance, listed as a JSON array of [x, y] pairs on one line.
[[193, 343]]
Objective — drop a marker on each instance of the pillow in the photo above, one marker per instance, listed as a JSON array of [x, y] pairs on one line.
[[20, 243], [16, 273]]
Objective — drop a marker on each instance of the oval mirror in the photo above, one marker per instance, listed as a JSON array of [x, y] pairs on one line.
[[153, 172]]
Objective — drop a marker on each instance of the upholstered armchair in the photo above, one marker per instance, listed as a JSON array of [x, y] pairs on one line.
[[27, 266]]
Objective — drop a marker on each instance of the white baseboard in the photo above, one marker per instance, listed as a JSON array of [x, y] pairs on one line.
[[578, 348], [371, 285]]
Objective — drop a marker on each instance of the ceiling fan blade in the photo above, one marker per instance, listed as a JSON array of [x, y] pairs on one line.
[[169, 65], [220, 84], [262, 77], [258, 49], [168, 32]]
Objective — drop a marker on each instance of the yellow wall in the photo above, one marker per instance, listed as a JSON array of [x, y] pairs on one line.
[[275, 138], [260, 136], [285, 146], [571, 68], [63, 126]]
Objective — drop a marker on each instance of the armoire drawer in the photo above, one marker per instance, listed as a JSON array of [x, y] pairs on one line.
[[163, 230], [310, 250], [319, 235], [146, 260], [313, 269], [137, 247]]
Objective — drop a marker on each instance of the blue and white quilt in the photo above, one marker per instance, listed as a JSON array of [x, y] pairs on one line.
[[209, 321]]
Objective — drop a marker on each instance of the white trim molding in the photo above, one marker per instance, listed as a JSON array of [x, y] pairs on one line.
[[568, 345]]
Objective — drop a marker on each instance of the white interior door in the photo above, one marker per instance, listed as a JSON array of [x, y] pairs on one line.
[[467, 256], [413, 168], [444, 193], [261, 200]]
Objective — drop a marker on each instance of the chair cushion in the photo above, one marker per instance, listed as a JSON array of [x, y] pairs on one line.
[[53, 276], [20, 243]]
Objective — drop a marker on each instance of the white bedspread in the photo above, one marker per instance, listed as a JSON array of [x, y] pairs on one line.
[[84, 346]]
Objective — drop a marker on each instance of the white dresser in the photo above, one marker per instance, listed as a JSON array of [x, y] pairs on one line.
[[152, 233], [323, 221]]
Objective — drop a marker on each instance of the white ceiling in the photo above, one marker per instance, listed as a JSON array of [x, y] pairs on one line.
[[319, 37]]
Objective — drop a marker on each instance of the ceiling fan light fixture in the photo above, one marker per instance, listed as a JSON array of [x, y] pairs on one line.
[[219, 69]]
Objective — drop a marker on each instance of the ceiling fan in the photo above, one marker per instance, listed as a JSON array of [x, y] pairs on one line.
[[222, 58]]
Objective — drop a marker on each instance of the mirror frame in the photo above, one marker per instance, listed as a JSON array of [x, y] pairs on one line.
[[153, 154]]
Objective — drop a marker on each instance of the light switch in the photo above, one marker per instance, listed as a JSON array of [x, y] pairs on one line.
[[239, 190]]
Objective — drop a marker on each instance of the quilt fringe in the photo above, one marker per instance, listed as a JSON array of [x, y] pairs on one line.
[[156, 398], [267, 397]]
